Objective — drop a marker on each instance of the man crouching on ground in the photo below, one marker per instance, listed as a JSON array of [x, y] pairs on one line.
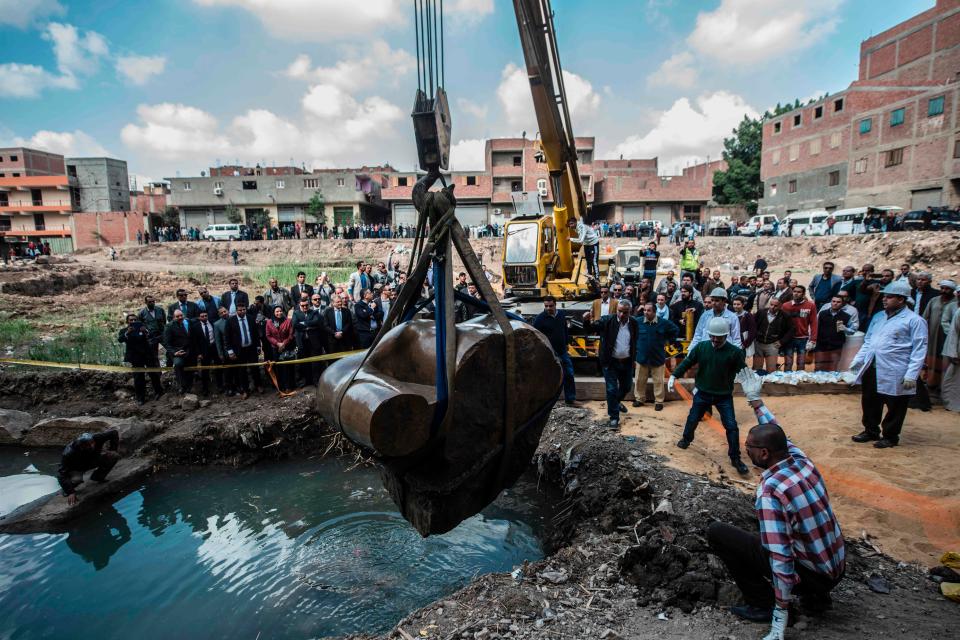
[[800, 547], [85, 453]]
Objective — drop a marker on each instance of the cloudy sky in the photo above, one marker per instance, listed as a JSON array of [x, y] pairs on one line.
[[174, 86]]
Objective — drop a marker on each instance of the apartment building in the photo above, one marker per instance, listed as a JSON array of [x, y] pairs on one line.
[[103, 184], [890, 138], [36, 199]]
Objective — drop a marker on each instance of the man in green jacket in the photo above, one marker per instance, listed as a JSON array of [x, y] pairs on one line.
[[718, 363]]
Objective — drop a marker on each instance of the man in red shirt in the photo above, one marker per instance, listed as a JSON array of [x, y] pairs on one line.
[[804, 315]]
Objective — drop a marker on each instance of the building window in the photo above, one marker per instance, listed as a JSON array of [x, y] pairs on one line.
[[4, 199], [777, 127], [218, 185], [866, 125], [893, 157], [860, 166], [896, 117], [186, 186], [818, 112], [311, 183], [797, 120], [517, 161], [935, 106], [838, 105], [402, 181], [691, 208], [956, 148], [341, 182], [281, 185], [38, 222], [471, 181], [815, 147], [775, 156], [14, 159], [72, 170], [833, 179], [5, 223], [773, 189], [792, 186], [794, 152], [835, 139], [516, 185], [16, 175], [249, 185]]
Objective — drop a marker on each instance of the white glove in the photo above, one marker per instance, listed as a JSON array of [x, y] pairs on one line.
[[750, 382], [855, 366], [778, 625], [909, 384], [671, 383], [811, 345]]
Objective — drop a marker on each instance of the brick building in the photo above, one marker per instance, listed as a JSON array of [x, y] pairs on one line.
[[890, 138], [616, 190]]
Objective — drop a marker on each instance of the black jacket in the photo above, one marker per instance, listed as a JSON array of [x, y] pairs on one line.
[[608, 327], [177, 338], [192, 310], [233, 340], [138, 348], [204, 348], [227, 298], [928, 294], [676, 314], [555, 328], [296, 290], [828, 338], [344, 343], [307, 326], [780, 330], [76, 459], [364, 315]]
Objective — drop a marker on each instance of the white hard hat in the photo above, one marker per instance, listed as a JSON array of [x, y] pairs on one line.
[[718, 326], [719, 292], [897, 288]]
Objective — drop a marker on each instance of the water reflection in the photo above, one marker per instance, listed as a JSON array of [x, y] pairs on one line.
[[99, 536]]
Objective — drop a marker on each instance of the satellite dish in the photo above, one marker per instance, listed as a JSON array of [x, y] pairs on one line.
[[203, 174]]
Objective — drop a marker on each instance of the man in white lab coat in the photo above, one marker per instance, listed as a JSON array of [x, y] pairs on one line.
[[888, 365]]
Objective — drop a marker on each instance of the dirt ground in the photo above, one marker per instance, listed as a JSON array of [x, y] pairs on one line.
[[904, 499]]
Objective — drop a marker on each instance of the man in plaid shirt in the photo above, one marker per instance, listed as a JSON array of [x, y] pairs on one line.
[[800, 547]]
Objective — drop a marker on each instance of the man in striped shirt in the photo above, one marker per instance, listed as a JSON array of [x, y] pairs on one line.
[[800, 548]]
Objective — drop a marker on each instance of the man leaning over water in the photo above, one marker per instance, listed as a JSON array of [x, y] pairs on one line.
[[85, 453]]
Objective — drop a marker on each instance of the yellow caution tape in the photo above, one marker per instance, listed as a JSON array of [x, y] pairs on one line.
[[125, 369]]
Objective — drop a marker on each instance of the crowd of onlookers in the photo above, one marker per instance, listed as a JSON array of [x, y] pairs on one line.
[[26, 251]]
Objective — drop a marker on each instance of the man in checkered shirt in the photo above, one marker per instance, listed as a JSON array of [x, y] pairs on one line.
[[800, 547]]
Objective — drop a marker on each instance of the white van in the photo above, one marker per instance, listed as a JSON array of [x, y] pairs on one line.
[[805, 223], [759, 225], [221, 232]]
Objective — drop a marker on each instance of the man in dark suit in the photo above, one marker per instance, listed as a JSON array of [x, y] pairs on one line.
[[207, 354], [180, 342], [219, 339], [243, 348], [208, 303], [297, 290], [140, 354], [618, 351], [339, 327], [188, 308], [230, 299], [304, 324], [368, 319], [155, 320]]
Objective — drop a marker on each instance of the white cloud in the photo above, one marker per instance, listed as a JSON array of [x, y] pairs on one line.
[[514, 95], [67, 143], [467, 155], [23, 13], [139, 69], [175, 131], [29, 80], [76, 54], [469, 11], [360, 68], [472, 108], [748, 32], [321, 20], [687, 133], [676, 71]]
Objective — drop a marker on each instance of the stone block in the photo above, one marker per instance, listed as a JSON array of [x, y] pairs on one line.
[[13, 424], [59, 432]]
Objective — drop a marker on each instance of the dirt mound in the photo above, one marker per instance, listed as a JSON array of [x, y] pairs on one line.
[[45, 280]]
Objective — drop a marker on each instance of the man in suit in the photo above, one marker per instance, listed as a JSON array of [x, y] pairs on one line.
[[179, 341], [140, 354], [277, 296], [207, 352], [219, 339], [368, 321], [230, 299], [304, 324], [243, 347], [188, 308], [297, 290], [207, 302], [618, 351], [155, 320], [339, 327], [384, 302]]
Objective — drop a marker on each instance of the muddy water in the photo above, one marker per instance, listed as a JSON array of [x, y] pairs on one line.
[[286, 550]]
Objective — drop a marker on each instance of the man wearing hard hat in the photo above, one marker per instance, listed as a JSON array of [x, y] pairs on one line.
[[888, 365], [718, 362], [718, 310]]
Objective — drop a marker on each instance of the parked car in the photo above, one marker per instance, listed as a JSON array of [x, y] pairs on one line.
[[221, 232], [761, 224], [943, 220]]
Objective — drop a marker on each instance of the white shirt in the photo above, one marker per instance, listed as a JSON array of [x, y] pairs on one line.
[[621, 348], [701, 332], [897, 345], [586, 235]]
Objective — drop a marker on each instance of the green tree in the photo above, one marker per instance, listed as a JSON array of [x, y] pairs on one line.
[[171, 217], [315, 208], [233, 214], [740, 183]]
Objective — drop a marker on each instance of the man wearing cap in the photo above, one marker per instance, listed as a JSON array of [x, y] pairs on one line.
[[85, 453], [937, 309], [888, 365], [618, 351], [718, 362], [718, 309]]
